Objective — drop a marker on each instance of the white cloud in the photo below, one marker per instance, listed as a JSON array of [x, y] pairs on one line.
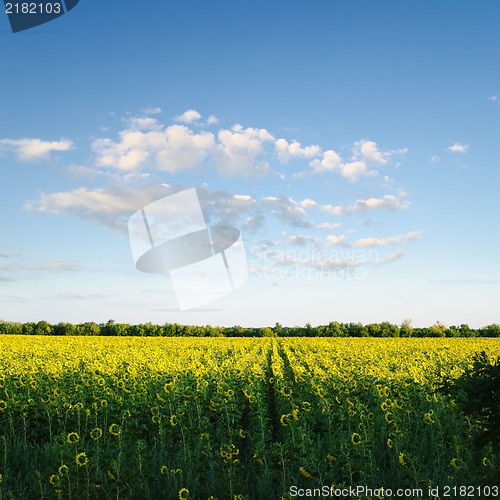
[[493, 98], [223, 207], [370, 152], [286, 150], [175, 148], [287, 210], [387, 202], [110, 206], [188, 116], [184, 149], [328, 225], [144, 123], [113, 205], [239, 151], [152, 111], [300, 239], [29, 149], [355, 169], [365, 153], [340, 240], [372, 241], [389, 258], [458, 147], [235, 151], [308, 203], [435, 159], [330, 161]]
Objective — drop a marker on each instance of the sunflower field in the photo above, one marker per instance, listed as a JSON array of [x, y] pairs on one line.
[[235, 418]]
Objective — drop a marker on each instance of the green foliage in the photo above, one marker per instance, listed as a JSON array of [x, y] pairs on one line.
[[333, 329], [477, 393]]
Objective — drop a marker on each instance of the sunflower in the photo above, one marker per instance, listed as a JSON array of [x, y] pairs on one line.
[[355, 438], [305, 472], [183, 493], [63, 469], [96, 433], [55, 480], [114, 429], [81, 459], [73, 438]]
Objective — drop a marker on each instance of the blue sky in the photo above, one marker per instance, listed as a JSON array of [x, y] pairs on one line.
[[353, 144]]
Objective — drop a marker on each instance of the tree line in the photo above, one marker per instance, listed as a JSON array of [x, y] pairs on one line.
[[332, 329]]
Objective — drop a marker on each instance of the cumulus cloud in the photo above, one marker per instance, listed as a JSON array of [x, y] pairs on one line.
[[370, 152], [30, 149], [355, 169], [189, 116], [172, 149], [387, 202], [239, 151], [236, 151], [458, 147], [308, 203], [286, 150], [329, 161]]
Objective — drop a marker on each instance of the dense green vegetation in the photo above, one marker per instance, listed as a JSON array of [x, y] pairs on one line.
[[333, 329], [131, 418]]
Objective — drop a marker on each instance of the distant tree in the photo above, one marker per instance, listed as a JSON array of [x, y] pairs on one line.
[[388, 329], [406, 330], [374, 330], [65, 329], [333, 329], [490, 331], [43, 328], [266, 332], [277, 329], [90, 328], [11, 328], [438, 330], [452, 331], [465, 331], [29, 328]]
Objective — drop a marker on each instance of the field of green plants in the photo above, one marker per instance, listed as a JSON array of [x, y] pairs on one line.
[[234, 418]]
